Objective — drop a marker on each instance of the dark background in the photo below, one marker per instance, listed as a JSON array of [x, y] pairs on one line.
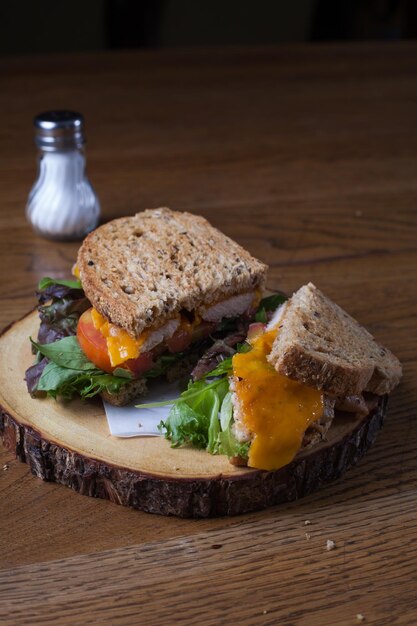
[[36, 26]]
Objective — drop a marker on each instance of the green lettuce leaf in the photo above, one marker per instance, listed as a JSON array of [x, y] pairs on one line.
[[69, 372], [226, 411], [261, 316], [213, 414], [162, 364], [194, 416], [228, 444], [202, 416], [66, 352], [186, 426], [123, 373], [270, 303], [54, 376], [66, 382], [47, 282], [224, 368]]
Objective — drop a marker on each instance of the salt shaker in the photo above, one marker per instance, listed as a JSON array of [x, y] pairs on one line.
[[62, 203]]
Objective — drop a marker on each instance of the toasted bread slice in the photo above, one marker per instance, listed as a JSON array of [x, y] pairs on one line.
[[129, 392], [139, 271], [320, 345]]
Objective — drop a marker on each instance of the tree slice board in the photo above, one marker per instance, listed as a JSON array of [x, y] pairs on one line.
[[69, 443]]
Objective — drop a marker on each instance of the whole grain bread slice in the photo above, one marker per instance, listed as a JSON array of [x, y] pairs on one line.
[[126, 394], [139, 271], [320, 345]]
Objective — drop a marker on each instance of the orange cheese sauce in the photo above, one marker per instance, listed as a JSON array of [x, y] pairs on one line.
[[120, 345], [274, 408]]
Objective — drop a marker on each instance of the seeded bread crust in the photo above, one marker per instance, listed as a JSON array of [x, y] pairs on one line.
[[134, 389], [320, 345], [139, 271], [129, 392]]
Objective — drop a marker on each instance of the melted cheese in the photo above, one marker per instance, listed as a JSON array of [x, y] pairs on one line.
[[274, 408], [75, 271], [120, 345]]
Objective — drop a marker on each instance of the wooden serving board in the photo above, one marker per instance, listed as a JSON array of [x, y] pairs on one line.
[[70, 443]]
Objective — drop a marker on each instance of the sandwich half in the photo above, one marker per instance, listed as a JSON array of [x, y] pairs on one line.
[[154, 290], [279, 392]]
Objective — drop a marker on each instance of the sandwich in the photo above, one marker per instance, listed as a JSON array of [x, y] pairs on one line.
[[278, 394], [151, 293]]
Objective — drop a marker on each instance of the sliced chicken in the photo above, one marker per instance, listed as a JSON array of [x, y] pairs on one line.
[[232, 307], [239, 430], [160, 334]]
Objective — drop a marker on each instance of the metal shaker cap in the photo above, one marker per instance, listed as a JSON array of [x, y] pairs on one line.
[[59, 130]]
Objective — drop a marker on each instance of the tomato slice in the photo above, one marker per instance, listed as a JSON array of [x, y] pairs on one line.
[[187, 334], [94, 346], [93, 343], [139, 366], [203, 330], [179, 341]]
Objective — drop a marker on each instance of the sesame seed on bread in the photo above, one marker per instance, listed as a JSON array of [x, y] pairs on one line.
[[320, 345], [141, 270]]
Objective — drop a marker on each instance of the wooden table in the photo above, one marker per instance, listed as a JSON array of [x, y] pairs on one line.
[[308, 157]]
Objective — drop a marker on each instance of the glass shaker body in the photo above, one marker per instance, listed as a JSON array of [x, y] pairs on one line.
[[62, 203]]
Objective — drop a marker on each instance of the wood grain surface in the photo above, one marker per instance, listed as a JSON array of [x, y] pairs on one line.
[[308, 157]]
